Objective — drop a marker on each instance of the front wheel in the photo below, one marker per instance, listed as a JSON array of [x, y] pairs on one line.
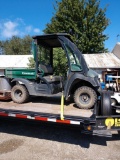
[[19, 94], [85, 97]]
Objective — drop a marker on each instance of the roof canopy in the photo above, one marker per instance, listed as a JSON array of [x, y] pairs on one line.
[[50, 40]]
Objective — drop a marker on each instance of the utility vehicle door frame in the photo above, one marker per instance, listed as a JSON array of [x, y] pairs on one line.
[[73, 75], [65, 41]]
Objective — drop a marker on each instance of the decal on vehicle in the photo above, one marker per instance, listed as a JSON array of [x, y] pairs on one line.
[[112, 122]]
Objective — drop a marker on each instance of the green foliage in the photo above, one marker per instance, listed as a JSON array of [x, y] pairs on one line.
[[31, 63], [26, 41], [86, 21], [60, 62], [16, 46], [44, 55], [1, 48]]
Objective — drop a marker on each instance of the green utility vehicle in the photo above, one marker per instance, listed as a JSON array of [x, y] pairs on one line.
[[80, 82]]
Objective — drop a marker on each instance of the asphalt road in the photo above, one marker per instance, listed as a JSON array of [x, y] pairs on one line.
[[38, 141]]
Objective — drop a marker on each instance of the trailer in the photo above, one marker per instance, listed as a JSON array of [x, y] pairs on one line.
[[100, 121], [80, 83]]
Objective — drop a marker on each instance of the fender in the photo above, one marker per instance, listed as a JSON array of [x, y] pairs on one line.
[[73, 76], [28, 84]]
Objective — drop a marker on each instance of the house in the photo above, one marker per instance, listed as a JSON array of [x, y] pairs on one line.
[[116, 50], [103, 63], [107, 65]]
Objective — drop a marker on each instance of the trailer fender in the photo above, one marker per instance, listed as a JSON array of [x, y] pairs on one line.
[[28, 84]]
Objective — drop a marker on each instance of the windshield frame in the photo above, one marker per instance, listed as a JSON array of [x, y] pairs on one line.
[[65, 41]]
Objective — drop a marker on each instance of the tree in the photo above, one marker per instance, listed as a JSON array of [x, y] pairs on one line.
[[60, 62], [17, 46], [1, 48], [84, 20], [31, 63], [26, 41]]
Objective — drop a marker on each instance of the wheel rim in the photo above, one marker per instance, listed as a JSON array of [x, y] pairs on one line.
[[18, 94], [84, 98]]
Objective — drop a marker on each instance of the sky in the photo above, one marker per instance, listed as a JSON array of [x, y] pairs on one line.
[[23, 17]]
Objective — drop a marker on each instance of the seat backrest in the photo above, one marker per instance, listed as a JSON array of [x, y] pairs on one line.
[[48, 70]]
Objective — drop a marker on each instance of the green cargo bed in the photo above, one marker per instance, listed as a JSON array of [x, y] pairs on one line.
[[20, 73]]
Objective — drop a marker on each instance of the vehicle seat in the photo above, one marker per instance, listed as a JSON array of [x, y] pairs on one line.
[[47, 69], [48, 74]]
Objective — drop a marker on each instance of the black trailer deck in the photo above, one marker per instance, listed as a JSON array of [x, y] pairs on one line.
[[49, 110], [45, 109]]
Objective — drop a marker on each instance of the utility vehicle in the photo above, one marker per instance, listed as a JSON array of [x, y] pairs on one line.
[[80, 82]]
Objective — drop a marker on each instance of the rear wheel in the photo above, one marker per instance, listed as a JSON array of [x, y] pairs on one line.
[[85, 97], [19, 94]]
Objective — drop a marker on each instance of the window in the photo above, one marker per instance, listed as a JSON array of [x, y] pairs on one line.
[[44, 55], [74, 61]]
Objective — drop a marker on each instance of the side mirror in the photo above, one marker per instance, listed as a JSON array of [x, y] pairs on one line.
[[34, 50]]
